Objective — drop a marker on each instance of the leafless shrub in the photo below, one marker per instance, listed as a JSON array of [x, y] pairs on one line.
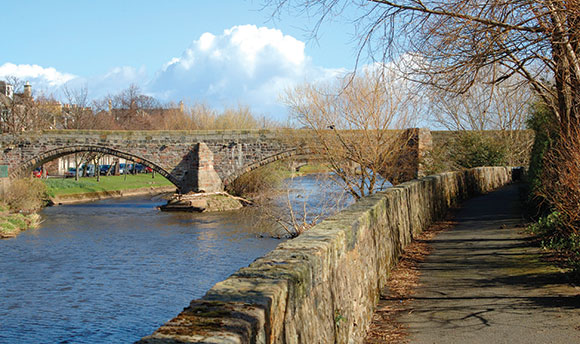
[[561, 181], [297, 207], [352, 125], [27, 195]]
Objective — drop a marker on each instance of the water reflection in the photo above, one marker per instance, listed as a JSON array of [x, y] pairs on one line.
[[113, 271]]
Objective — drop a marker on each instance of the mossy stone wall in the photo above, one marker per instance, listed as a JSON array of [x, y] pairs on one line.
[[322, 287]]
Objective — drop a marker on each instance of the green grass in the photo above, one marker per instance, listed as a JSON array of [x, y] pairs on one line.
[[314, 168], [18, 220], [12, 224], [69, 186], [7, 228]]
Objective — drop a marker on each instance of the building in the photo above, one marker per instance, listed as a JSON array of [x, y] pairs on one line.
[[16, 109]]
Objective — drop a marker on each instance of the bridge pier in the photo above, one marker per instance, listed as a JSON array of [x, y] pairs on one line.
[[4, 184], [202, 175], [195, 161]]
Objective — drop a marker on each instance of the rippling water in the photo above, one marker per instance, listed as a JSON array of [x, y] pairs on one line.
[[113, 271]]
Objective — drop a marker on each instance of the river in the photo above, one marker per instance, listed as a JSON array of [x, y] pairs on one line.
[[113, 271]]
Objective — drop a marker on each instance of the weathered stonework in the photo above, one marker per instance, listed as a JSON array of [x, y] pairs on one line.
[[199, 161], [173, 154], [322, 286], [4, 182]]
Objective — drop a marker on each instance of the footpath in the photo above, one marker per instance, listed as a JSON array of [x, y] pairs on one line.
[[485, 282]]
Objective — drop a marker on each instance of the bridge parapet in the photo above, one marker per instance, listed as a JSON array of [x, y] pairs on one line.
[[192, 160], [174, 154]]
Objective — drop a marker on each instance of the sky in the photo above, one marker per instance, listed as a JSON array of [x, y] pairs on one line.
[[222, 53]]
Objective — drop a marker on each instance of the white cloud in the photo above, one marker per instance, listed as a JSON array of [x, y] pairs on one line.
[[47, 80], [245, 64], [115, 80], [43, 77]]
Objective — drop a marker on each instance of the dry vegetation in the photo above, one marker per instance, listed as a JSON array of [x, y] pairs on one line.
[[26, 195], [130, 109], [402, 282], [352, 127], [23, 197]]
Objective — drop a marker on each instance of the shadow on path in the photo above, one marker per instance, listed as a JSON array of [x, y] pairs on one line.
[[485, 282]]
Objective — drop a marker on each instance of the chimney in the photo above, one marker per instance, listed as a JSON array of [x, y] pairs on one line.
[[110, 106], [181, 106], [27, 90]]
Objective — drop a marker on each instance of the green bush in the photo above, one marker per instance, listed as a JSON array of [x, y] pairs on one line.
[[474, 149], [542, 122], [546, 224], [547, 228]]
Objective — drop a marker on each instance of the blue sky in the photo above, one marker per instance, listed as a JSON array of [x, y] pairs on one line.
[[158, 45]]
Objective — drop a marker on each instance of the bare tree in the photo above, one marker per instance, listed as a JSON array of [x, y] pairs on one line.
[[451, 42], [301, 208], [485, 106], [352, 126], [19, 112], [496, 113], [76, 113], [131, 108], [48, 111]]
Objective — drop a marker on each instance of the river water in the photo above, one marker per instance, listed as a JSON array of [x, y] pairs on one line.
[[113, 271]]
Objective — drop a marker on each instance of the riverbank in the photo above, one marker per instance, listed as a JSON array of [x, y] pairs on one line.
[[12, 224], [95, 196], [66, 191]]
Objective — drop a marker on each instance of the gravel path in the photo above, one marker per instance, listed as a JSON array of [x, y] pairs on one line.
[[484, 282]]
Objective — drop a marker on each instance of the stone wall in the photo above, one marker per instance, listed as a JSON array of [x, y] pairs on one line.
[[4, 183], [174, 154], [322, 286]]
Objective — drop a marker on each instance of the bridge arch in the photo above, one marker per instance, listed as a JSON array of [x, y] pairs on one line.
[[44, 157], [291, 153]]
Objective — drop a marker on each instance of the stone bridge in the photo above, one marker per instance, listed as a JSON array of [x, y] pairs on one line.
[[200, 161]]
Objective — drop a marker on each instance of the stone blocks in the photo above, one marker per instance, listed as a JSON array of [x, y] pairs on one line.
[[322, 286], [192, 160]]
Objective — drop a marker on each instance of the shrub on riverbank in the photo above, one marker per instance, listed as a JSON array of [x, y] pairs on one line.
[[260, 182], [25, 195], [21, 200], [12, 224]]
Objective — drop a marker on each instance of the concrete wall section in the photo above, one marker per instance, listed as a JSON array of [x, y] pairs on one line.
[[322, 286]]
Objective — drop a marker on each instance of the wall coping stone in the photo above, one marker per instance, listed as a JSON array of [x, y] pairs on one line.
[[322, 286]]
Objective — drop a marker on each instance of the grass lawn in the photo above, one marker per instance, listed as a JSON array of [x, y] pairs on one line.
[[314, 168], [69, 186]]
